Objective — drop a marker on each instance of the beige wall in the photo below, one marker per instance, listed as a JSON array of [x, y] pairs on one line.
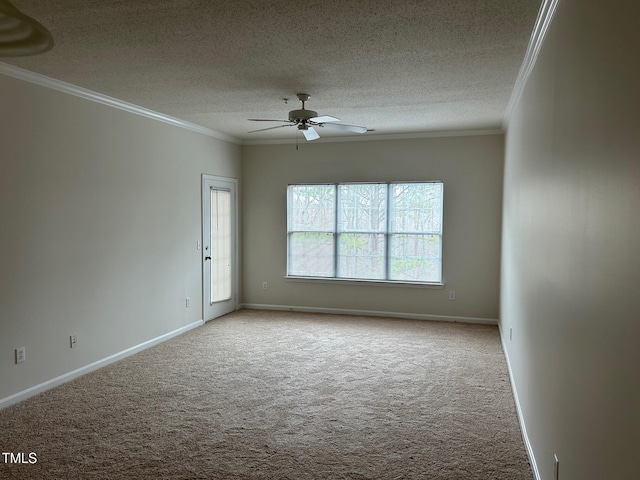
[[100, 216], [471, 168], [571, 257]]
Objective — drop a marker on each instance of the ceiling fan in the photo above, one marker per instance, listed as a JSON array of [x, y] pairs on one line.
[[306, 120]]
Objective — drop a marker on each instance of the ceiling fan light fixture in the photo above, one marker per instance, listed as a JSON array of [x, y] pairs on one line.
[[309, 133], [21, 35]]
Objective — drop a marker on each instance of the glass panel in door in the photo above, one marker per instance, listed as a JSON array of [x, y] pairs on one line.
[[221, 247]]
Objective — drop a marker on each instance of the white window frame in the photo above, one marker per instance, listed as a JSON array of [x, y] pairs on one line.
[[387, 239]]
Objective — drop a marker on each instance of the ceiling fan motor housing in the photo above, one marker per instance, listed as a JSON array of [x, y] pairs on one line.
[[301, 116]]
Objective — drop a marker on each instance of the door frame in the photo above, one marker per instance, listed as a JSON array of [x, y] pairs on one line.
[[233, 184]]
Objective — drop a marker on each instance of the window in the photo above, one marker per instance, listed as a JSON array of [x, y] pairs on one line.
[[366, 231]]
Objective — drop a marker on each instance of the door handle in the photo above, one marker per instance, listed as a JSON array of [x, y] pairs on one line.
[[207, 258]]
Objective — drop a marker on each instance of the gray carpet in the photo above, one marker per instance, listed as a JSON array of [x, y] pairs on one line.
[[273, 395]]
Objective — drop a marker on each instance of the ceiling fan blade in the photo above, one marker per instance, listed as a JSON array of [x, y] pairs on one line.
[[348, 128], [271, 128], [324, 119], [266, 120], [310, 134]]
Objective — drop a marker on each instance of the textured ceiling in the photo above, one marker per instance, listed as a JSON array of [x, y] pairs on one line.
[[395, 67]]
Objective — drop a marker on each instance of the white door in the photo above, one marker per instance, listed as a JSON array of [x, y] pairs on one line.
[[219, 247]]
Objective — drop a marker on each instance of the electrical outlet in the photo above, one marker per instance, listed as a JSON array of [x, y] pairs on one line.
[[21, 354], [265, 285], [187, 302], [452, 295], [556, 467], [73, 341]]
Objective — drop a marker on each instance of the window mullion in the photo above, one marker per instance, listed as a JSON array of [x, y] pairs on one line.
[[336, 191], [387, 237]]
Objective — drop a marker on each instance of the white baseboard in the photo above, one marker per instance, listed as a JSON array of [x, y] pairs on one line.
[[54, 382], [370, 313], [523, 427]]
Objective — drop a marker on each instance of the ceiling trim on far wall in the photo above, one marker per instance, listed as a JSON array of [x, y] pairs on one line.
[[43, 80], [545, 15], [382, 136]]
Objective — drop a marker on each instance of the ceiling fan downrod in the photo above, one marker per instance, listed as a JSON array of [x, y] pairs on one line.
[[303, 115]]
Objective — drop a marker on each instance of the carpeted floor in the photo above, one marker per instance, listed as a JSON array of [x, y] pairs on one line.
[[273, 395]]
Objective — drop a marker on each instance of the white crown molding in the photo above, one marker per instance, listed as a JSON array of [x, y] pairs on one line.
[[545, 15], [370, 313], [66, 377], [383, 136], [59, 85]]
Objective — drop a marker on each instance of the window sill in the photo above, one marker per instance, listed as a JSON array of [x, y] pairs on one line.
[[355, 281]]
